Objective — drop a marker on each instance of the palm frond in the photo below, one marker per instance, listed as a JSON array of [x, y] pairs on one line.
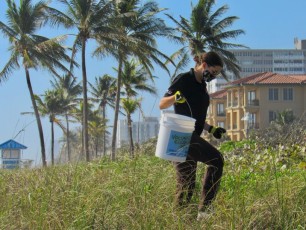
[[207, 30], [9, 67], [8, 31]]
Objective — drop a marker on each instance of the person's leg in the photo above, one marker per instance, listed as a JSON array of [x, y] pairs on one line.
[[201, 150], [185, 177]]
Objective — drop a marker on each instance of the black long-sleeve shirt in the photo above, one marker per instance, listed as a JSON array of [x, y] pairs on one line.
[[196, 96]]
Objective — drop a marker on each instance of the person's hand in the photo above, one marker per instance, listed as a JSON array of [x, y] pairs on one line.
[[217, 132], [179, 98]]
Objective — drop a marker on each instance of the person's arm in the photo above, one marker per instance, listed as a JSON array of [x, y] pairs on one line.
[[172, 95], [166, 102]]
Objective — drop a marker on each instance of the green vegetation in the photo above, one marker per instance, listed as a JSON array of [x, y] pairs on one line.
[[128, 31], [264, 183], [256, 193]]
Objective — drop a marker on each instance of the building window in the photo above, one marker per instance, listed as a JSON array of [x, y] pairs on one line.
[[252, 98], [272, 116], [273, 94], [10, 153], [251, 95], [288, 94], [220, 109], [252, 121]]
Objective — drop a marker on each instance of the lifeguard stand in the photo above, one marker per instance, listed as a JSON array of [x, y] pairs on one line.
[[10, 154]]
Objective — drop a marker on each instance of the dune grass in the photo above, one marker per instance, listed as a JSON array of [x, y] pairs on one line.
[[138, 194]]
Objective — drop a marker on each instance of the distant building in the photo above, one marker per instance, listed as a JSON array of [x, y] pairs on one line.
[[253, 61], [253, 102], [142, 131], [11, 155]]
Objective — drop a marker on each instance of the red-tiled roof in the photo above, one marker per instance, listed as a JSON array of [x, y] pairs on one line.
[[261, 79], [219, 94], [269, 78], [299, 77]]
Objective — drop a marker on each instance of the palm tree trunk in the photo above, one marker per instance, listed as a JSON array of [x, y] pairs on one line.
[[104, 133], [131, 135], [85, 105], [52, 141], [40, 130], [138, 127], [117, 108], [68, 138]]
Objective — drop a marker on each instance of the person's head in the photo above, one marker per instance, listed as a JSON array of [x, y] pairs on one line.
[[210, 64]]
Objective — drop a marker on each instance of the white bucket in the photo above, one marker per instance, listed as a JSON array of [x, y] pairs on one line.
[[174, 136]]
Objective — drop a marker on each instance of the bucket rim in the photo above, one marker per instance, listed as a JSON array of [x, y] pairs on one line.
[[178, 116]]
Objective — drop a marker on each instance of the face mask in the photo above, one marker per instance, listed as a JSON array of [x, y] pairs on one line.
[[207, 76]]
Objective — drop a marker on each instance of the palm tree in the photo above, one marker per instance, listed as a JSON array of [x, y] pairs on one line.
[[129, 105], [206, 30], [70, 89], [75, 139], [284, 118], [90, 18], [77, 114], [96, 130], [135, 79], [137, 29], [103, 93], [29, 50], [51, 106]]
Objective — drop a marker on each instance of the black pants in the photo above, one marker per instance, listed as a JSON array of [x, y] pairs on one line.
[[199, 151]]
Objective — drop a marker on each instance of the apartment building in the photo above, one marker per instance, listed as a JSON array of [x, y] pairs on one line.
[[217, 108], [141, 131], [253, 61], [253, 102]]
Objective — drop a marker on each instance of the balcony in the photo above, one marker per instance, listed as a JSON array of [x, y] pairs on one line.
[[233, 103], [254, 102], [221, 114]]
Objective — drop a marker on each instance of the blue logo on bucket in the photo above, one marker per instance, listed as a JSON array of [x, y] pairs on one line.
[[178, 144]]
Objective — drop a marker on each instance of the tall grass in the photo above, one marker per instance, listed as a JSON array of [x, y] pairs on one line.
[[138, 194]]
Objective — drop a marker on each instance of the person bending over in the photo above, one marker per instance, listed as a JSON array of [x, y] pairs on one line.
[[188, 93]]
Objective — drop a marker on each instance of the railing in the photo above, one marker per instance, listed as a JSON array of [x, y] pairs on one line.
[[221, 114], [254, 102], [233, 103], [8, 163]]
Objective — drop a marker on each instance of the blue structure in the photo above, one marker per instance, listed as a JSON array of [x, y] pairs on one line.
[[10, 154]]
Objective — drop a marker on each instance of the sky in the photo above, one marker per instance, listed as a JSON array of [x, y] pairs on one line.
[[268, 24]]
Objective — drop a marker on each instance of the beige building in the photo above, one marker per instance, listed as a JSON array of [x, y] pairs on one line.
[[254, 61], [253, 102]]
